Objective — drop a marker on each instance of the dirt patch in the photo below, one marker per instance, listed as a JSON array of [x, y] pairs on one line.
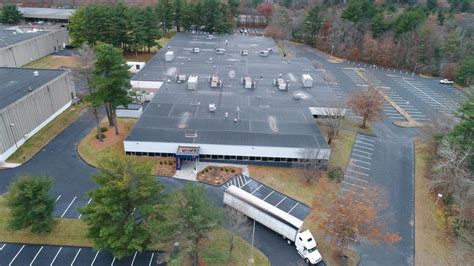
[[217, 175], [110, 138], [164, 166], [139, 57]]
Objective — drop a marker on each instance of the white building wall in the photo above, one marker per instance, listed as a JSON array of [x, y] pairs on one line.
[[225, 150]]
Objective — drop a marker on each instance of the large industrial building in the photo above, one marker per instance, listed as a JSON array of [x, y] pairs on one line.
[[229, 98], [22, 45], [30, 99]]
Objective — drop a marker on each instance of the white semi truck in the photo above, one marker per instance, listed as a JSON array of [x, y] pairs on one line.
[[279, 221]]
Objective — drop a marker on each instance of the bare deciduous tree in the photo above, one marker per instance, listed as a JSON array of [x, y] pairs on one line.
[[332, 121], [451, 176], [309, 165], [86, 57], [350, 217], [368, 104], [237, 224]]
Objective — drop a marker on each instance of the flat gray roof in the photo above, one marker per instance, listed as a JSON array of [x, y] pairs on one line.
[[16, 82], [15, 34], [46, 13], [265, 115]]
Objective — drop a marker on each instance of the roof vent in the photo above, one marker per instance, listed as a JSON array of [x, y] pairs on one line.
[[35, 73]]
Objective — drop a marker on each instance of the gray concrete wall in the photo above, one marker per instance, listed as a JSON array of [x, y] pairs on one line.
[[29, 112], [22, 53]]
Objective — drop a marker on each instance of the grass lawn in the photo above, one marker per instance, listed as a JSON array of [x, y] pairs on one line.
[[432, 247], [215, 252], [46, 134], [70, 232], [92, 150], [54, 62]]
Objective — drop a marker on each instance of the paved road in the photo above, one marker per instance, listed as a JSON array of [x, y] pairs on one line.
[[389, 162], [71, 176]]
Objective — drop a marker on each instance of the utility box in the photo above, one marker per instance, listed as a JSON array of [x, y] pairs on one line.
[[215, 82], [263, 53], [307, 80], [180, 78], [192, 82], [169, 56], [196, 50], [281, 84], [220, 51], [248, 82]]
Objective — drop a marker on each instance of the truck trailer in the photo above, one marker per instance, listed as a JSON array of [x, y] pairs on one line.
[[277, 220]]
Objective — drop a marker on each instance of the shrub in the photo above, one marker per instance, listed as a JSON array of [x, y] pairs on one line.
[[97, 136], [103, 129], [336, 174]]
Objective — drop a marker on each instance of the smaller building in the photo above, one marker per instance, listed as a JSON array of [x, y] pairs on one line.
[[29, 100], [60, 15]]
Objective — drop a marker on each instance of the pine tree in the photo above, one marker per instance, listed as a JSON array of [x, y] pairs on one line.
[[10, 14]]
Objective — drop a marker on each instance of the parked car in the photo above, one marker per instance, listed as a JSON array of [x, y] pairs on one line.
[[446, 81]]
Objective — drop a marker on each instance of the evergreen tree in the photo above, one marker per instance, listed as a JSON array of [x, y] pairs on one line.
[[164, 11], [431, 5], [465, 74], [122, 205], [178, 13], [313, 21], [111, 80], [30, 204], [378, 24], [359, 10], [409, 20], [10, 14], [151, 28]]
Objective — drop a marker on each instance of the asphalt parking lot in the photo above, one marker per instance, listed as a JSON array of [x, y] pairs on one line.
[[357, 175], [18, 254], [277, 199], [67, 206]]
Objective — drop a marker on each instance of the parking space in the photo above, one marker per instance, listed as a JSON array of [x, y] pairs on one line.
[[435, 100], [342, 97], [273, 197], [18, 254], [357, 172], [67, 206]]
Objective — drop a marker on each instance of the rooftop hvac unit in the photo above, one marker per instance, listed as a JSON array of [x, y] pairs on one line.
[[212, 107], [220, 51], [180, 78], [196, 50], [244, 52], [192, 82], [215, 82], [169, 56], [307, 81], [281, 84], [263, 53], [248, 82]]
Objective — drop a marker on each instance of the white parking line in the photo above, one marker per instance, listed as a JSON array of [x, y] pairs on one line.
[[268, 195], [280, 201], [246, 183], [1, 248], [14, 258], [358, 155], [51, 264], [151, 259], [69, 206], [357, 150], [353, 192], [113, 261], [365, 138], [294, 207], [365, 143], [37, 253], [361, 167], [134, 256], [92, 263], [360, 161], [57, 199], [355, 178], [75, 257], [257, 189], [349, 183], [357, 172], [88, 202]]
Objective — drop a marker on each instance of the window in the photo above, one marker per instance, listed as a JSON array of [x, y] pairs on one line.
[[264, 159], [227, 157], [214, 156], [252, 158], [233, 157], [277, 159], [239, 158]]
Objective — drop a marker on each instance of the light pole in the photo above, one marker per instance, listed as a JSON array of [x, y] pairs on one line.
[[13, 135], [332, 49], [437, 199], [251, 259]]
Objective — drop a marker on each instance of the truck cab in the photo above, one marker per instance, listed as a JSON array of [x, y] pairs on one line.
[[307, 248]]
